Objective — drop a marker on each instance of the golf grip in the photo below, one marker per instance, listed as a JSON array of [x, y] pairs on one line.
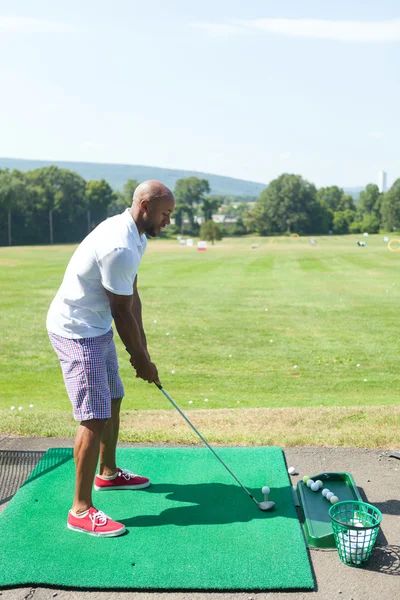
[[160, 387]]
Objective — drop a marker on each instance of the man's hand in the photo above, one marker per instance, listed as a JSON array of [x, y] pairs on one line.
[[144, 368]]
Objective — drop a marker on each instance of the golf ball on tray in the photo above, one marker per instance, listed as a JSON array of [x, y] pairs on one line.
[[310, 482], [325, 491], [334, 499], [315, 487]]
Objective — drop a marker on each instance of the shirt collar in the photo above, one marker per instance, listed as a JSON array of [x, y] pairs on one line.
[[139, 239]]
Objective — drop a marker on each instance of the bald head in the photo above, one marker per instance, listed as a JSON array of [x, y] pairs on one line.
[[152, 205], [151, 190]]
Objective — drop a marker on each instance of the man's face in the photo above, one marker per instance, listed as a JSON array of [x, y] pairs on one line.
[[157, 215]]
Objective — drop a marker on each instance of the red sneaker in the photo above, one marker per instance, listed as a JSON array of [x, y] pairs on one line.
[[95, 523], [123, 481]]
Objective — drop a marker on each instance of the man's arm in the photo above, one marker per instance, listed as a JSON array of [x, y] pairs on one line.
[[137, 313], [130, 334]]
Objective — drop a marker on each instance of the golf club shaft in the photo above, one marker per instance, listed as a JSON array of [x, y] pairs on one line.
[[160, 387]]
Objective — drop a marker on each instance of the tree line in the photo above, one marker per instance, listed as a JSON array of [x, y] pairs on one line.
[[54, 205]]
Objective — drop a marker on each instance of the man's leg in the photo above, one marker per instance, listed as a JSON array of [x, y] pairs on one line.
[[86, 455], [109, 439]]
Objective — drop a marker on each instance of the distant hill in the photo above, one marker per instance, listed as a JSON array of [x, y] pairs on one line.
[[117, 175]]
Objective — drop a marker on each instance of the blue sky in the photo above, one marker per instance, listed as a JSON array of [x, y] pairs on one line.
[[248, 89]]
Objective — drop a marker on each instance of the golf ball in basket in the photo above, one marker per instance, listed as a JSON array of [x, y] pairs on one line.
[[334, 499], [315, 487], [265, 490], [325, 491], [310, 482]]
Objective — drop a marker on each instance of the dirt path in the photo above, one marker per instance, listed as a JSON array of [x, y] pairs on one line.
[[377, 476]]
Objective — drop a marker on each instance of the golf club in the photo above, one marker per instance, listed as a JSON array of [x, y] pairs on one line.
[[261, 505]]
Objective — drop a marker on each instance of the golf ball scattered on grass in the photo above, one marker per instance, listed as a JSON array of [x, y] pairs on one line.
[[315, 487]]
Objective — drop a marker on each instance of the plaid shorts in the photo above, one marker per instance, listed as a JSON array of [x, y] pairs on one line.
[[90, 370]]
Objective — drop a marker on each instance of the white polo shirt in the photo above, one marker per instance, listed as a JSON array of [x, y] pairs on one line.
[[108, 257]]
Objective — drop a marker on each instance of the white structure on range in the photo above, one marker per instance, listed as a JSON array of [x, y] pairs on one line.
[[382, 181]]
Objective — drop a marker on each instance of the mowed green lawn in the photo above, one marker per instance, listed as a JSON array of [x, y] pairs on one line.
[[329, 336]]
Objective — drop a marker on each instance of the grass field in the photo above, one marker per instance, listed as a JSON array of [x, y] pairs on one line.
[[320, 366]]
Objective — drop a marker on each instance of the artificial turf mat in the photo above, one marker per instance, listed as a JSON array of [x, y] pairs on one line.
[[193, 528]]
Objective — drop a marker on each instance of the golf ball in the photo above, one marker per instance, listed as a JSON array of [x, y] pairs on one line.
[[315, 487], [291, 470], [334, 499], [329, 495], [310, 482], [305, 478], [325, 491], [265, 490], [320, 484]]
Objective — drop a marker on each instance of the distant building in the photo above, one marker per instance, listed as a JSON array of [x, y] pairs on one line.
[[382, 181]]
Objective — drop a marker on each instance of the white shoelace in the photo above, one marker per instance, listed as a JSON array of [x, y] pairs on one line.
[[127, 475], [98, 519]]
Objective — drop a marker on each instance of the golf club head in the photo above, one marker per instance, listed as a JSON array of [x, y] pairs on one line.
[[266, 505]]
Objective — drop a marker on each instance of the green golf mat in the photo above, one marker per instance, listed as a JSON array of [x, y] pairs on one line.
[[193, 528]]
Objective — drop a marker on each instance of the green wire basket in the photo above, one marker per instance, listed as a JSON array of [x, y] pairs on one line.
[[355, 526]]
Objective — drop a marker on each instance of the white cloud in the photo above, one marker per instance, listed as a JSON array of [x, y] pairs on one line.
[[341, 31], [31, 25], [89, 146]]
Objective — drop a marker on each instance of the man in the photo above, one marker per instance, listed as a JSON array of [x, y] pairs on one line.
[[100, 284]]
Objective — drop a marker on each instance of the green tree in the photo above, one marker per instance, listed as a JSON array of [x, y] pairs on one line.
[[189, 193], [122, 200], [210, 231], [347, 203], [370, 224], [288, 205], [61, 194], [342, 220], [12, 193], [332, 196], [390, 209], [370, 201], [210, 205], [98, 197]]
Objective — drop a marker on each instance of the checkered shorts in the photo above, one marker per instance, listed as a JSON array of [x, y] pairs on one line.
[[90, 370]]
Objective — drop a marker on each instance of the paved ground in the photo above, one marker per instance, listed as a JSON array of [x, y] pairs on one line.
[[378, 478]]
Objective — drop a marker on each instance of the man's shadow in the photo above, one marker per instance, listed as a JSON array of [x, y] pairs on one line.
[[210, 504]]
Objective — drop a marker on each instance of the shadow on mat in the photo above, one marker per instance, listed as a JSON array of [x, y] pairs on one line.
[[54, 458], [214, 503]]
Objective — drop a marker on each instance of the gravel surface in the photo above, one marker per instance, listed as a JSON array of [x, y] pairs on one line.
[[377, 476]]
